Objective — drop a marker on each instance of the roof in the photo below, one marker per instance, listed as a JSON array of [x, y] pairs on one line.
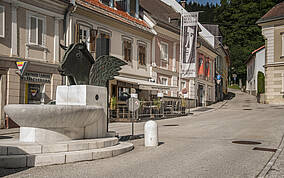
[[162, 13], [213, 29], [253, 53], [119, 15], [258, 49], [276, 13]]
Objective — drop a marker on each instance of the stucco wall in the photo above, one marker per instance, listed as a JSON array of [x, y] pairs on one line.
[[5, 43], [117, 32], [259, 63]]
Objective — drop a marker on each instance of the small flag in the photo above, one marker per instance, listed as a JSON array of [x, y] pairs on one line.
[[22, 66]]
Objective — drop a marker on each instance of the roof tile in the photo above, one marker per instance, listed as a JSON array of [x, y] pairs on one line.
[[114, 13], [276, 12]]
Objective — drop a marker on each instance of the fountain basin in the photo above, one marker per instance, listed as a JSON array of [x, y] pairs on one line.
[[54, 116], [80, 113]]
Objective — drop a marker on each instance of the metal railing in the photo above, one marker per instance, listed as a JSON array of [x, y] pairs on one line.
[[151, 110]]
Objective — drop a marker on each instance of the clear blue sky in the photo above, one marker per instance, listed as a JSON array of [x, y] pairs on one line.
[[204, 1]]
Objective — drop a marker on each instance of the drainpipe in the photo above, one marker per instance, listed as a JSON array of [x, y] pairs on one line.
[[70, 9]]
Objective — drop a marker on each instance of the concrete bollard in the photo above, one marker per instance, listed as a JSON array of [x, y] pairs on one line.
[[151, 133]]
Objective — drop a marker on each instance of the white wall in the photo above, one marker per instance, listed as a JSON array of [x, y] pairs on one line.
[[259, 63]]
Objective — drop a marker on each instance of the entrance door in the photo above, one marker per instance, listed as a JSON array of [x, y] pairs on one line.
[[200, 95], [33, 93]]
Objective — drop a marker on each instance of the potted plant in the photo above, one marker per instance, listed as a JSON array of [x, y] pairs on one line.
[[113, 105]]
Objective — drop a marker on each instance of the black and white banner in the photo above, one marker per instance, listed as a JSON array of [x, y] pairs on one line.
[[189, 42]]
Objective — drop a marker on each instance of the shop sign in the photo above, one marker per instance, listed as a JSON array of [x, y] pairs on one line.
[[22, 65], [160, 95], [36, 77]]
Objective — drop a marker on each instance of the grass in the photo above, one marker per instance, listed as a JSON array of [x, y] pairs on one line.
[[235, 86]]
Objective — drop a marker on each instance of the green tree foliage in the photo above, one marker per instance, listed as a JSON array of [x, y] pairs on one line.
[[207, 12], [237, 22], [260, 82]]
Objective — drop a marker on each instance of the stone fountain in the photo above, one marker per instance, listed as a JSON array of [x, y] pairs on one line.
[[75, 129]]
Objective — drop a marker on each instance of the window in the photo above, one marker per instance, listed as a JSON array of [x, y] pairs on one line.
[[87, 35], [107, 2], [36, 32], [102, 44], [141, 54], [164, 81], [183, 85], [132, 10], [2, 21], [127, 50], [121, 5], [164, 51]]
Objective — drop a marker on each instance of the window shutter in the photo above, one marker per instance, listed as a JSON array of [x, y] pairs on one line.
[[98, 47], [77, 31], [103, 46], [93, 36]]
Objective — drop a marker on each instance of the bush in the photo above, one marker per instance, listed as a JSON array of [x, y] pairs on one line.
[[260, 82]]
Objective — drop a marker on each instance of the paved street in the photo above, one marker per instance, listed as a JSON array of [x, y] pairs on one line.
[[199, 145]]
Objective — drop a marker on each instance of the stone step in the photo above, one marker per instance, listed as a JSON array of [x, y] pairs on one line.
[[21, 161], [20, 148]]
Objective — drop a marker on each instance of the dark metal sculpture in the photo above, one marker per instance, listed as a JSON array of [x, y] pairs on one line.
[[81, 68]]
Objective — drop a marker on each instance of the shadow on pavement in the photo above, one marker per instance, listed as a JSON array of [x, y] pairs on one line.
[[19, 161], [130, 137], [229, 96], [9, 171]]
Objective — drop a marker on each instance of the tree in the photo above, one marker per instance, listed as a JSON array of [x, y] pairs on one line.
[[237, 21]]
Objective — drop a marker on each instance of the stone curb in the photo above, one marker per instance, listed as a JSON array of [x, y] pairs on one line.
[[19, 148], [272, 160], [21, 161], [218, 107]]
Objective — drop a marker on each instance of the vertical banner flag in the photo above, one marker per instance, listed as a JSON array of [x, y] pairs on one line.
[[22, 66], [189, 43]]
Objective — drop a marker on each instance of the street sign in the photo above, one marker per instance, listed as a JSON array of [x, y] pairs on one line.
[[160, 95], [133, 104]]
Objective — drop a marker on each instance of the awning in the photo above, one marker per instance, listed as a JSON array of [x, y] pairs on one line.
[[143, 84]]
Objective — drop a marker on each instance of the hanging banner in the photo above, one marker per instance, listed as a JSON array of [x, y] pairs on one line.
[[189, 43]]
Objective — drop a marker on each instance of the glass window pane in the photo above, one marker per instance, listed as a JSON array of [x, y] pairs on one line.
[[80, 35], [33, 30], [106, 2], [40, 32], [2, 25]]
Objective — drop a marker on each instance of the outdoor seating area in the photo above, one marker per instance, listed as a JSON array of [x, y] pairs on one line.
[[156, 109]]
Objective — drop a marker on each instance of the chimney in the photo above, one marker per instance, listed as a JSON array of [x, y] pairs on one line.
[[183, 3]]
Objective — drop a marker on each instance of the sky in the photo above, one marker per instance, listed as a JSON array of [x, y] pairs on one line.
[[204, 1]]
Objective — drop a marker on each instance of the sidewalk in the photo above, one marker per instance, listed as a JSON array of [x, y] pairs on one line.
[[125, 128], [275, 166]]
